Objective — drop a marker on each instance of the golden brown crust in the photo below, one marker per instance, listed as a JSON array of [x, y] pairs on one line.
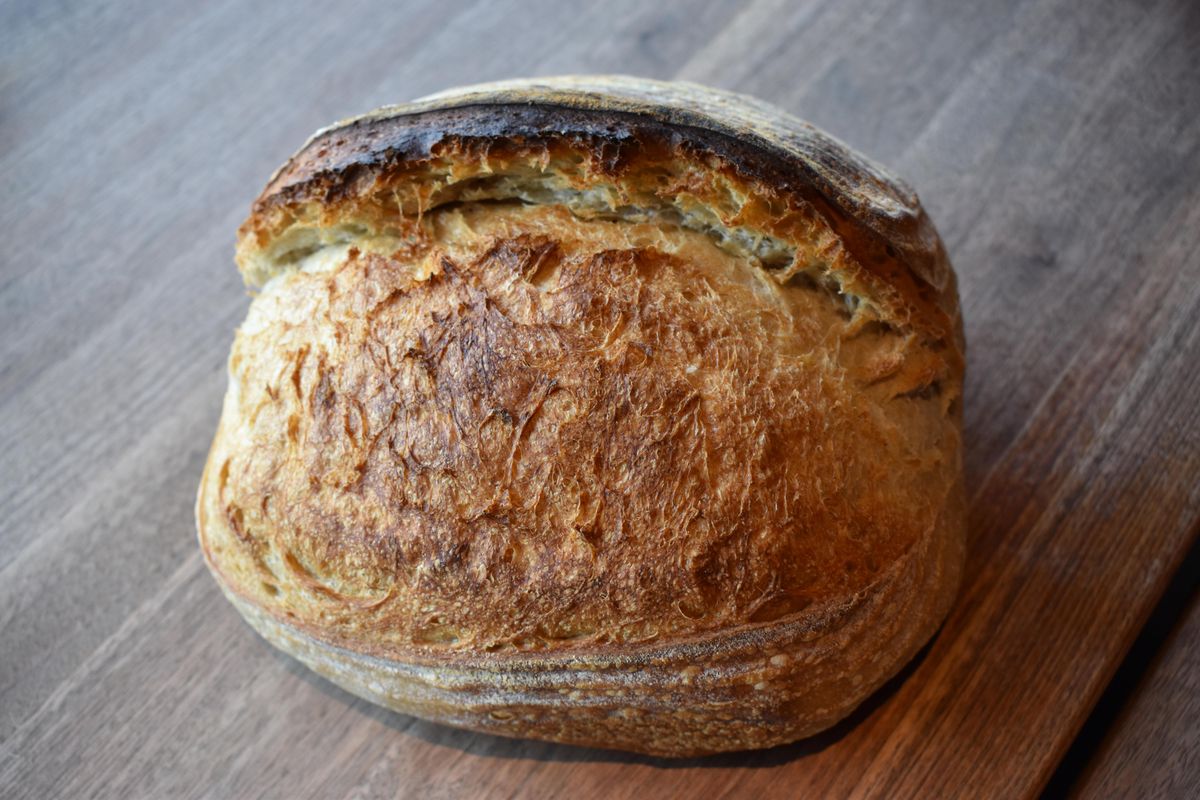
[[604, 411]]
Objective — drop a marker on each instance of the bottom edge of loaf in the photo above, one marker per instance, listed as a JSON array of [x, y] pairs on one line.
[[677, 705]]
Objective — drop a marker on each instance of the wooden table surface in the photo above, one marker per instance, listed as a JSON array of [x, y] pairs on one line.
[[1152, 748], [1056, 144]]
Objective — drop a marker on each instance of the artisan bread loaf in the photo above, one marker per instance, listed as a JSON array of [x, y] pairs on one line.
[[596, 410]]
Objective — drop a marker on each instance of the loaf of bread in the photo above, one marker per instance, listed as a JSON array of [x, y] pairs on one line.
[[596, 410]]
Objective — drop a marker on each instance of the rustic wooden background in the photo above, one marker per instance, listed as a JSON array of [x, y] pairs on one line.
[[1055, 142]]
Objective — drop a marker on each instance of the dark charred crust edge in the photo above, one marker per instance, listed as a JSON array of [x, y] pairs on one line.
[[877, 216]]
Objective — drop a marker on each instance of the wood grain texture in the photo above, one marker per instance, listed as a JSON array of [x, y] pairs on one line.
[[1056, 145], [1153, 748]]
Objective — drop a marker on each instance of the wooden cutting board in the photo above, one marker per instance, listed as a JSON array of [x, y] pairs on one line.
[[1055, 143]]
